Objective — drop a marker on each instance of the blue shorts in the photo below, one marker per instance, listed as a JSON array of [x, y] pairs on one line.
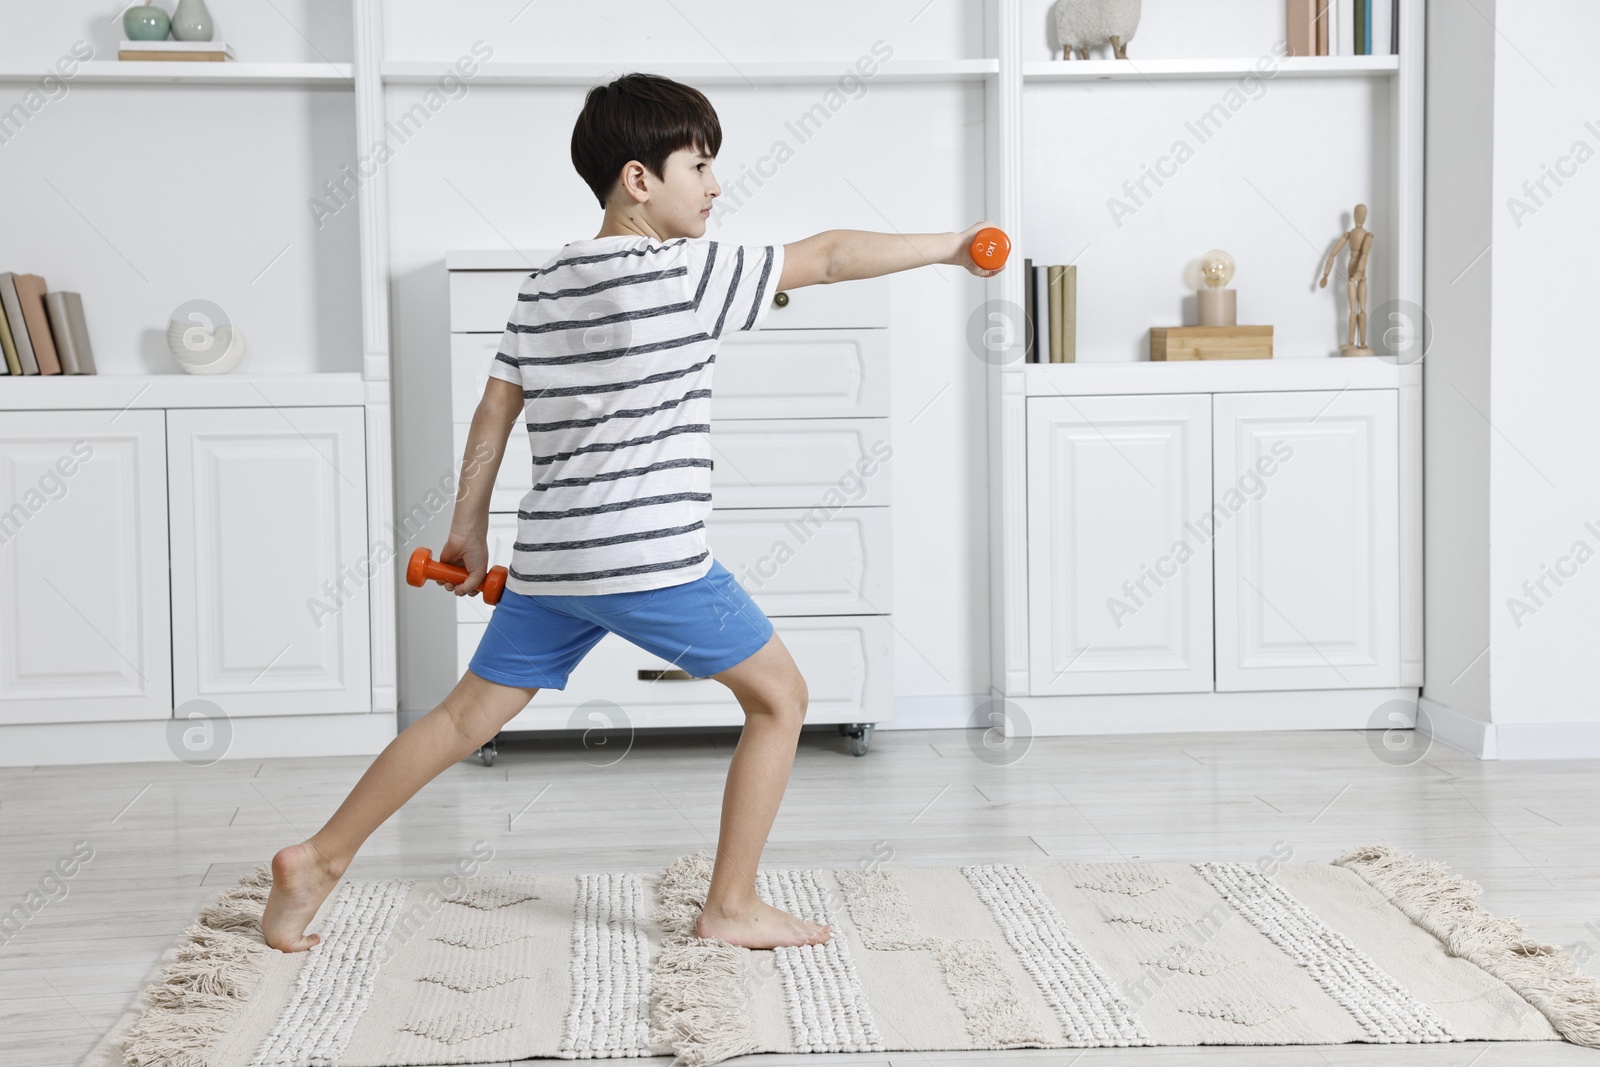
[[703, 626]]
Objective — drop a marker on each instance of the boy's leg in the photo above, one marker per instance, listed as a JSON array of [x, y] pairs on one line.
[[773, 694], [304, 874]]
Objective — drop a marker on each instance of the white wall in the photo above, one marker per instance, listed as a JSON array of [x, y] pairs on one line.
[[492, 169], [1513, 483], [1545, 375]]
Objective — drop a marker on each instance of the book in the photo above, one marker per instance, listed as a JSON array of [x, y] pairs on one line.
[[19, 335], [12, 363], [1041, 303], [1053, 276], [1031, 333], [1069, 313], [1300, 27], [1341, 31], [1324, 15], [1363, 10], [30, 296], [170, 51], [71, 331], [1382, 28], [1394, 28]]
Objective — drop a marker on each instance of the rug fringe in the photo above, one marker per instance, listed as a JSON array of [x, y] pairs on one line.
[[698, 995], [1446, 905], [202, 990]]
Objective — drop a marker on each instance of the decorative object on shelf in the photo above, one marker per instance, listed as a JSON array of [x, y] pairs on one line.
[[192, 22], [1217, 305], [1171, 344], [202, 339], [1307, 22], [176, 51], [1359, 238], [1083, 24], [146, 22]]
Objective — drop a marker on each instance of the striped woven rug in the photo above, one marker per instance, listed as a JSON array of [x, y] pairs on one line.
[[1374, 947]]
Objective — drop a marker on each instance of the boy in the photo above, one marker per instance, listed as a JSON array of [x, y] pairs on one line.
[[608, 358]]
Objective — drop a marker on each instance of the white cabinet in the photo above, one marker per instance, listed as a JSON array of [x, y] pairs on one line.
[[269, 587], [1308, 565], [1200, 542], [84, 633], [1119, 590], [152, 555]]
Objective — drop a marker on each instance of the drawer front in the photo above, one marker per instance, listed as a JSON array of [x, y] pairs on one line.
[[802, 373], [515, 476], [862, 303], [481, 300], [791, 561], [846, 662], [795, 561], [756, 463], [470, 356], [767, 374], [804, 463]]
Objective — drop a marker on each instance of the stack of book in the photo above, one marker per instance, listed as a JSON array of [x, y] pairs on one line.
[[42, 332], [1052, 296], [170, 51], [1343, 27]]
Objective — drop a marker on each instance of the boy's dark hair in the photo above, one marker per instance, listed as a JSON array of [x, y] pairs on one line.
[[644, 117]]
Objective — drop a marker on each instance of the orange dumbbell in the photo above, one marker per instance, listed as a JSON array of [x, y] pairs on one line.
[[990, 247], [423, 566]]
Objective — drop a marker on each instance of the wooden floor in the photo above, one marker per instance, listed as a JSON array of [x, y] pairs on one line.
[[167, 836]]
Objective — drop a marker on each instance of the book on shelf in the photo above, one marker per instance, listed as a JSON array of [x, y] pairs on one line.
[[171, 51], [1030, 315], [42, 332], [1341, 30], [1300, 22], [1053, 304], [71, 331]]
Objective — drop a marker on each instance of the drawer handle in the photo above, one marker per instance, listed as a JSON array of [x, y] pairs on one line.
[[673, 674], [782, 299]]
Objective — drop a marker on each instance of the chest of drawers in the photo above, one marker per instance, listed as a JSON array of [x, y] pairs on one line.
[[801, 515]]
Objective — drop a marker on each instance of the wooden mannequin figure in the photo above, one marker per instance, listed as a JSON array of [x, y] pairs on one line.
[[1360, 241]]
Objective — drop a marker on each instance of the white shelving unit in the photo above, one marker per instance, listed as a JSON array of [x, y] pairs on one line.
[[1045, 662], [344, 93], [181, 457]]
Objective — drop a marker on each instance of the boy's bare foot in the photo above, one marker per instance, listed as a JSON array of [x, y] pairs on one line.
[[301, 881], [760, 925]]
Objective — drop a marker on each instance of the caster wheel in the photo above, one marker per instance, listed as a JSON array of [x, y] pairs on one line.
[[487, 753], [858, 737]]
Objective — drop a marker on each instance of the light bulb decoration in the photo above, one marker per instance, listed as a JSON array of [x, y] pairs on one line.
[[1216, 304]]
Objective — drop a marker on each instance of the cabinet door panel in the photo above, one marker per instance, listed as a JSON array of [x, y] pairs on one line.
[[269, 541], [1119, 582], [1307, 545], [83, 567]]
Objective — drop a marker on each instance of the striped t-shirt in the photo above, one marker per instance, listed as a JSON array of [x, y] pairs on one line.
[[613, 342]]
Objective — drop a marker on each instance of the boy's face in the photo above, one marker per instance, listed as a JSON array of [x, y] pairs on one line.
[[680, 202]]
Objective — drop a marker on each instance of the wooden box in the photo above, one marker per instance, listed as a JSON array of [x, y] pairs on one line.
[[1210, 342]]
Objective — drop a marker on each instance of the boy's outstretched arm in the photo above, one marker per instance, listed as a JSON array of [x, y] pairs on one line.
[[845, 255]]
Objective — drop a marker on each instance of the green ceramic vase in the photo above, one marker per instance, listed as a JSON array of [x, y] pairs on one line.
[[145, 22]]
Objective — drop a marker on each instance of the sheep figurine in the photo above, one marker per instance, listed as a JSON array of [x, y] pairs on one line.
[[1081, 24]]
